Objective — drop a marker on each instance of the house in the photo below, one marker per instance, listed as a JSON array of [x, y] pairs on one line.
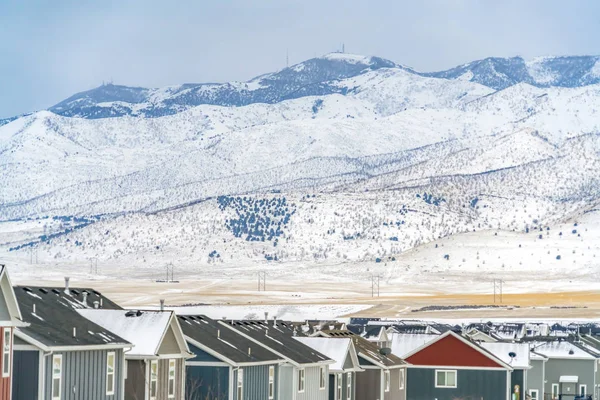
[[342, 384], [517, 355], [62, 355], [536, 376], [227, 365], [375, 334], [451, 366], [10, 318], [156, 363], [570, 368], [384, 375], [404, 343], [304, 374]]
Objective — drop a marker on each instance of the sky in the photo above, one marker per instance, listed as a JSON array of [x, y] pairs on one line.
[[50, 50]]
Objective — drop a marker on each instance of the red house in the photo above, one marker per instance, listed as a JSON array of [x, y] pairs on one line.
[[10, 317], [452, 367]]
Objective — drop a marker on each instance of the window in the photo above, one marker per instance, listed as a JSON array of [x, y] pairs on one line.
[[56, 376], [339, 386], [323, 378], [555, 391], [171, 385], [6, 352], [110, 373], [153, 379], [349, 385], [271, 382], [301, 380], [445, 379], [387, 380], [534, 394], [240, 384], [582, 390], [401, 379]]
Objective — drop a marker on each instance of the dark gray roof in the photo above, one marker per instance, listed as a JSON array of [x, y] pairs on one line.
[[367, 349], [55, 317], [224, 341], [279, 338]]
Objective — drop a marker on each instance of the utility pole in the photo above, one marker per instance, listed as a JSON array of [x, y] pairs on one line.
[[498, 289], [262, 281], [374, 285], [170, 270], [94, 265]]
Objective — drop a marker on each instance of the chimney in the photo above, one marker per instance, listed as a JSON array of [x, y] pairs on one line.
[[162, 304], [85, 295], [67, 285], [266, 317], [34, 308], [96, 304], [74, 332]]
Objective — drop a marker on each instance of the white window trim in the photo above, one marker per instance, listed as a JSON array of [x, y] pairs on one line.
[[386, 381], [301, 380], [401, 379], [340, 386], [240, 384], [172, 368], [6, 352], [271, 382], [537, 394], [557, 386], [584, 387], [109, 376], [59, 377], [153, 379], [349, 385], [446, 371], [322, 378]]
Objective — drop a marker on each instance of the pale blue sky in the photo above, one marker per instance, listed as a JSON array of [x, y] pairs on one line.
[[51, 49]]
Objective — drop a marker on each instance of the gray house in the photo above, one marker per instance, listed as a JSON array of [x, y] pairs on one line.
[[342, 385], [570, 369], [227, 365], [156, 363], [62, 355], [384, 374], [305, 373], [536, 376]]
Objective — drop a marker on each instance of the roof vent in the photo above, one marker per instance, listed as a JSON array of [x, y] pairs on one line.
[[84, 301], [130, 313], [43, 291], [218, 333], [33, 308], [138, 313], [571, 352], [249, 351], [512, 354], [266, 317], [74, 332], [67, 284], [96, 304], [162, 304], [385, 351]]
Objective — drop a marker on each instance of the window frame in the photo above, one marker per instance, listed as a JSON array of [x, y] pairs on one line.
[[557, 386], [154, 379], [322, 378], [386, 380], [6, 352], [340, 386], [240, 384], [446, 372], [110, 376], [584, 386], [348, 385], [271, 382], [537, 394], [301, 380], [57, 376], [171, 378], [401, 379]]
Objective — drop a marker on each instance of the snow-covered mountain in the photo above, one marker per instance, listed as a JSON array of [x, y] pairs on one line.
[[340, 158]]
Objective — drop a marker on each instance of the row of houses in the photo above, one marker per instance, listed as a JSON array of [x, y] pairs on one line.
[[76, 344]]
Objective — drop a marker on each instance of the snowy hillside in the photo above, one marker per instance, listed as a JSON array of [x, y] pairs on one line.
[[344, 159]]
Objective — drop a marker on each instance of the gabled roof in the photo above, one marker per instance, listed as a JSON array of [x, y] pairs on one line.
[[223, 343], [367, 350], [144, 329], [502, 350], [13, 315], [338, 349], [563, 349], [477, 356], [403, 344], [279, 340], [55, 324]]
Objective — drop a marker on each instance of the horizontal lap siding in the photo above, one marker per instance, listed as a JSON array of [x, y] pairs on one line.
[[475, 384], [84, 375], [25, 375]]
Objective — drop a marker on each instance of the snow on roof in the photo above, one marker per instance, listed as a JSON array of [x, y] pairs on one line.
[[334, 348], [503, 350], [403, 343], [568, 379], [145, 331], [561, 350]]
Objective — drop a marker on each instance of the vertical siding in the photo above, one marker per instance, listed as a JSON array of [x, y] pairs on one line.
[[25, 375], [395, 393], [84, 375], [368, 384], [135, 384], [471, 384], [5, 383], [311, 385], [517, 377], [535, 377], [345, 386], [207, 383], [287, 382], [584, 369], [256, 382], [163, 379]]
